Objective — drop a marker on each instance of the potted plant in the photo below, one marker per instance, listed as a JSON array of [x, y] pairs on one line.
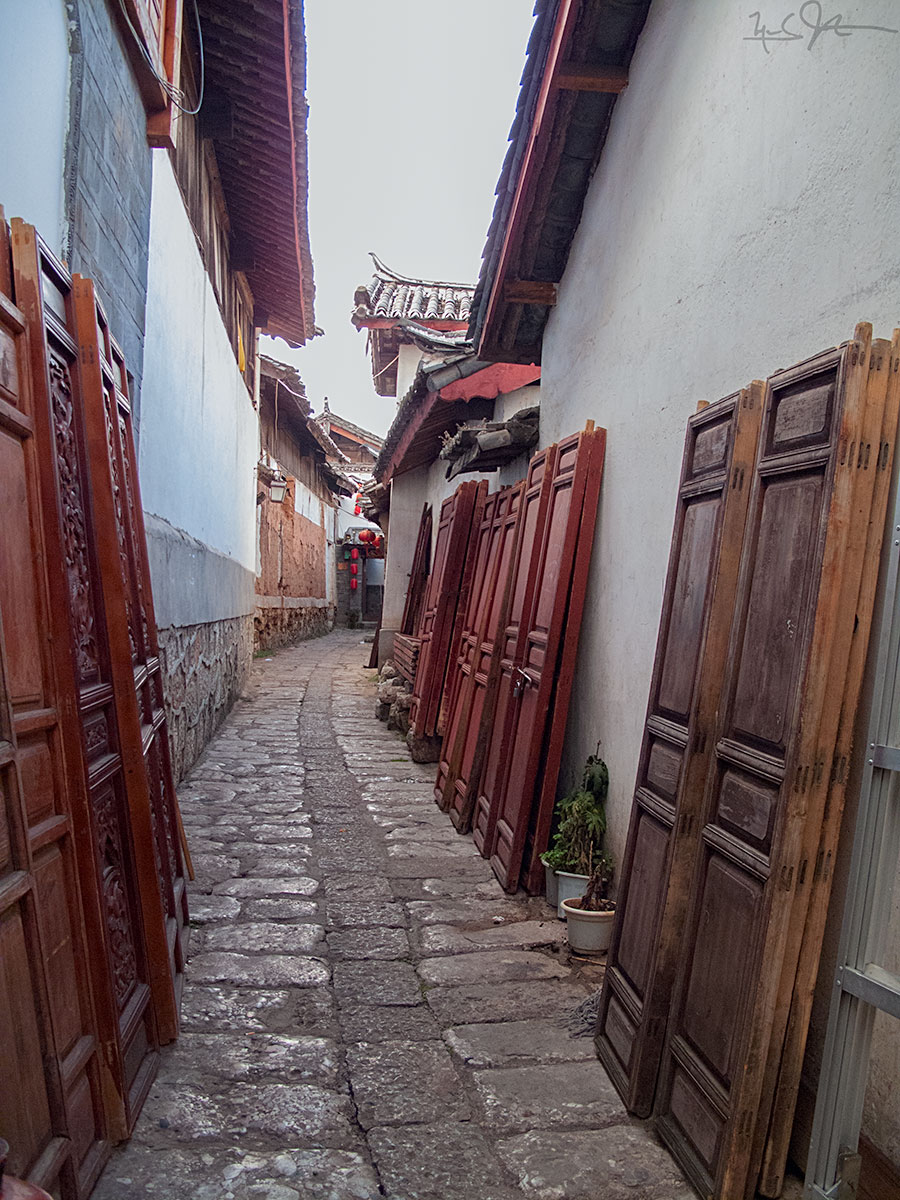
[[578, 841], [589, 918]]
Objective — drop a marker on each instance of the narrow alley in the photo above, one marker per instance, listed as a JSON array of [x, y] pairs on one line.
[[366, 1013]]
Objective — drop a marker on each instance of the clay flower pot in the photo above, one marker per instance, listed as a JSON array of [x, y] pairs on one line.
[[589, 932]]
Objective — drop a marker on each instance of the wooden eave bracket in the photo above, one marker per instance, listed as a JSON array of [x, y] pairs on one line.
[[529, 291], [581, 77]]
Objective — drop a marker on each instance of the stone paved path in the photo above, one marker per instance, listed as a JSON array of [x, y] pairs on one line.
[[366, 1013]]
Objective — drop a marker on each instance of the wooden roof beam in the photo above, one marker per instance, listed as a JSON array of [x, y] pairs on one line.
[[581, 77], [529, 291]]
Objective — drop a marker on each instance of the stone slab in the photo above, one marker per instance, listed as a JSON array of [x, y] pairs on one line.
[[249, 888], [196, 1173], [280, 908], [259, 970], [265, 936], [247, 1055], [341, 912], [374, 942], [366, 886], [298, 1113], [379, 1023], [470, 1004], [443, 1161], [377, 983], [404, 1082], [495, 966], [622, 1162], [279, 868], [455, 939], [550, 1096], [517, 1043], [212, 1008], [213, 908]]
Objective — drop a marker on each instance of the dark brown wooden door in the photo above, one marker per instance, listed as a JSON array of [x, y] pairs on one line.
[[533, 682], [714, 490], [465, 737], [131, 624], [779, 706], [534, 503], [447, 589], [52, 1073]]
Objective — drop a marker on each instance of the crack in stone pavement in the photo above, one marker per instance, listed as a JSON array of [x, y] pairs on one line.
[[366, 1013]]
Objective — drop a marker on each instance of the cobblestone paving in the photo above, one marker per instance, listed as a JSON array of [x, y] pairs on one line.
[[366, 1013]]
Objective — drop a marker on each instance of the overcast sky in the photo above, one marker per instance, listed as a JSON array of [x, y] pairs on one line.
[[410, 107]]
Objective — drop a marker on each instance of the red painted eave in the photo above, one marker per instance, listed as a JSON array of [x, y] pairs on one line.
[[493, 381]]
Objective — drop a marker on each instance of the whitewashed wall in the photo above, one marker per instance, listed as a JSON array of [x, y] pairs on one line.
[[35, 107], [199, 431], [743, 216]]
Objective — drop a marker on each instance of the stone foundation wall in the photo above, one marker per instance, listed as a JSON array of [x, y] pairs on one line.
[[205, 668], [274, 627]]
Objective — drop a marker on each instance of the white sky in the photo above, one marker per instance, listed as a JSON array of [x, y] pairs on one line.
[[410, 107]]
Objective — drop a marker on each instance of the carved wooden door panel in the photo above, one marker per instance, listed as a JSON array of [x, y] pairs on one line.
[[131, 624], [716, 474], [476, 657], [534, 681], [774, 739], [495, 724], [131, 1011], [51, 1067], [450, 575]]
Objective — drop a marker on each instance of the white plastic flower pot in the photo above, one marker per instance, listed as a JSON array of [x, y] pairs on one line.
[[551, 887], [568, 887], [589, 932]]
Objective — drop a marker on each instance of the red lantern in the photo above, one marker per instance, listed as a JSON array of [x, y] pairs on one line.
[[366, 535], [354, 584], [354, 553], [356, 510], [354, 568]]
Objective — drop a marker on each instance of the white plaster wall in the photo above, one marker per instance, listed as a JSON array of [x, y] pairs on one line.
[[407, 365], [199, 430], [743, 216], [35, 106]]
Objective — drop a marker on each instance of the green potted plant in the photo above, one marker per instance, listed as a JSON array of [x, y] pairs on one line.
[[589, 918], [578, 842]]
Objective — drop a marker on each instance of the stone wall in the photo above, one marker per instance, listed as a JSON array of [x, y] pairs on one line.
[[276, 626], [205, 668]]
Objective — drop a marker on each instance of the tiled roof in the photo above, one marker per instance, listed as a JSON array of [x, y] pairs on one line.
[[394, 297]]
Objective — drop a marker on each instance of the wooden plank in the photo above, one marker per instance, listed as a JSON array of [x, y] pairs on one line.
[[695, 623], [554, 739], [813, 891], [775, 733], [495, 728], [581, 77]]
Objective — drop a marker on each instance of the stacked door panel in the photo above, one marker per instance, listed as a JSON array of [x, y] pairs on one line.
[[532, 519], [536, 704], [783, 680], [678, 735], [445, 600], [465, 738]]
